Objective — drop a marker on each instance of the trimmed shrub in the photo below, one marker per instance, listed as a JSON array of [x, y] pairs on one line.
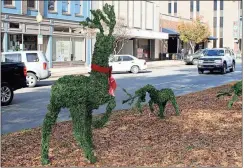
[[81, 94], [159, 97]]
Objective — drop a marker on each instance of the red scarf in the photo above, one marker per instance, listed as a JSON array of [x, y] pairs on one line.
[[111, 80]]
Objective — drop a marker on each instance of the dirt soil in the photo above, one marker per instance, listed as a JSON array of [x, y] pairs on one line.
[[206, 133]]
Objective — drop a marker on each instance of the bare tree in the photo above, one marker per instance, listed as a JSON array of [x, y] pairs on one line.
[[122, 35]]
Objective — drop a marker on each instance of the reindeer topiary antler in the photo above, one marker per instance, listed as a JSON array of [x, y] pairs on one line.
[[98, 15]]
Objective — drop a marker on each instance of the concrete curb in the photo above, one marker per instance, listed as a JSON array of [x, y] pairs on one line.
[[58, 72]]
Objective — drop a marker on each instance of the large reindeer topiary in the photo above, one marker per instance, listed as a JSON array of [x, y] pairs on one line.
[[82, 94]]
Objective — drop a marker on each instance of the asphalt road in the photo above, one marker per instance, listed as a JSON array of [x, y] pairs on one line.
[[29, 105]]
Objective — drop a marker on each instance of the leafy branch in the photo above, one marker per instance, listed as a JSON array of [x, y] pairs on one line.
[[131, 98], [235, 91]]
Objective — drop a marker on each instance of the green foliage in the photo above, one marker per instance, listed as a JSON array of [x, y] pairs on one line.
[[235, 91], [81, 94], [193, 32], [159, 97]]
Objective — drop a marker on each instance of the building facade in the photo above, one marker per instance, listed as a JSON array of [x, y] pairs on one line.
[[221, 16], [61, 42], [142, 20]]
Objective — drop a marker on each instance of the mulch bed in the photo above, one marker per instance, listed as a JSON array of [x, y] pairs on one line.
[[206, 133]]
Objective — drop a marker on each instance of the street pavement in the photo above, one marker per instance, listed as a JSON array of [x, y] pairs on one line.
[[29, 105]]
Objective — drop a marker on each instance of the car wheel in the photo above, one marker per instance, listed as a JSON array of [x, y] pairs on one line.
[[223, 71], [232, 69], [31, 80], [7, 94], [134, 69], [200, 71], [195, 61]]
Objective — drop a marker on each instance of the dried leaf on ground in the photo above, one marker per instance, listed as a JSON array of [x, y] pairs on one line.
[[206, 133]]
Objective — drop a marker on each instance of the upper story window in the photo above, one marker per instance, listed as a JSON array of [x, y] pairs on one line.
[[215, 5], [221, 5], [191, 6], [215, 22], [14, 25], [8, 3], [198, 5], [221, 21], [221, 42], [52, 5], [175, 7], [66, 6], [78, 7], [169, 8], [31, 4]]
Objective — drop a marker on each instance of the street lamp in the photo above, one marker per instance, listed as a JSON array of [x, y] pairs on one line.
[[39, 20]]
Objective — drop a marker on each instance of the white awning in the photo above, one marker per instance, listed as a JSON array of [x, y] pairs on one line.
[[146, 34]]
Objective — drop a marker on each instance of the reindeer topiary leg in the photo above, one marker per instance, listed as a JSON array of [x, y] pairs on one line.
[[104, 119], [141, 98], [175, 105], [151, 106], [77, 120], [161, 110], [82, 118], [87, 137], [49, 121]]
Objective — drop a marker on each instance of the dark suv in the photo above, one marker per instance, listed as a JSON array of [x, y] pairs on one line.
[[13, 77]]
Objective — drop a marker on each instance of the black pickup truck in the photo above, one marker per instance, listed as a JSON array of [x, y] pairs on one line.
[[13, 77]]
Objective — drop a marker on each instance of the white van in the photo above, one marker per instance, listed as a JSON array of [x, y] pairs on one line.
[[35, 61]]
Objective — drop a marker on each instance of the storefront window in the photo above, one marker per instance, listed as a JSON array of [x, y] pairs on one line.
[[143, 48], [14, 42], [30, 42], [68, 49]]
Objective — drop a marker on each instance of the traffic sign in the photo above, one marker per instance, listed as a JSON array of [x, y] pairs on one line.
[[40, 39]]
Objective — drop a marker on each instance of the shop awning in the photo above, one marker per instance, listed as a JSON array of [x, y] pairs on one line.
[[170, 31], [212, 38], [146, 34]]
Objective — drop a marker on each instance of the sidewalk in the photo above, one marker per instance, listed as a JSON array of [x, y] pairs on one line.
[[59, 72]]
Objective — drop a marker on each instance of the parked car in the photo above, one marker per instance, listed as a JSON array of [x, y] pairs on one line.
[[127, 63], [13, 77], [193, 58], [35, 62], [217, 59]]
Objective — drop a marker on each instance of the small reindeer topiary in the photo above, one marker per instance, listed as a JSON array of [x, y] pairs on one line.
[[82, 94], [159, 97], [235, 91]]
